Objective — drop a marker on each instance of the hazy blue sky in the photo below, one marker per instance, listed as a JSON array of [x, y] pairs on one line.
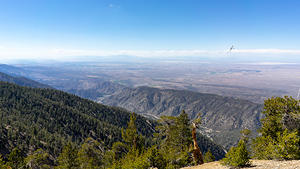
[[168, 27]]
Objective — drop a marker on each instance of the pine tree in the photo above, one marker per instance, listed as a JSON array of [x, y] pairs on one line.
[[130, 135], [175, 136], [68, 158], [182, 133], [237, 156]]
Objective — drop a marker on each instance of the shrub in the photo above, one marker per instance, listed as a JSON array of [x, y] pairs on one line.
[[288, 145], [209, 157], [263, 148], [237, 156], [285, 148]]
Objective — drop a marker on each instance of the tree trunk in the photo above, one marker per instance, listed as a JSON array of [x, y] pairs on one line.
[[197, 155]]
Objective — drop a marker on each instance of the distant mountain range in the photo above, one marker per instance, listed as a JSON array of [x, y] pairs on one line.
[[10, 70], [94, 89], [222, 117], [22, 81]]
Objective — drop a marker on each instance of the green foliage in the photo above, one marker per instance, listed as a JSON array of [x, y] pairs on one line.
[[176, 132], [39, 160], [263, 148], [197, 120], [130, 135], [124, 157], [208, 157], [182, 131], [285, 148], [288, 145], [245, 133], [90, 154], [113, 157], [68, 157], [3, 165], [134, 160], [155, 158], [129, 154], [176, 137], [108, 159], [16, 158], [274, 110], [280, 137], [119, 149], [237, 156]]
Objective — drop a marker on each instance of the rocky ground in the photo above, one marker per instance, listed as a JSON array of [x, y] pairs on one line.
[[256, 164]]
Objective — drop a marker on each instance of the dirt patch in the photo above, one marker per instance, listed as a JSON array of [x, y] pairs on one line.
[[256, 164]]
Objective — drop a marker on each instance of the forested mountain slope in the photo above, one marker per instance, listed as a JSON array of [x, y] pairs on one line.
[[47, 118]]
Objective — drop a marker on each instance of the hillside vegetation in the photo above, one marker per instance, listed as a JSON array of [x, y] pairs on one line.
[[46, 118], [37, 122]]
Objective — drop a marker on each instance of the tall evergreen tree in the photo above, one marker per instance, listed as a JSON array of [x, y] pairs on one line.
[[130, 135], [68, 157], [237, 156], [182, 135], [176, 137]]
